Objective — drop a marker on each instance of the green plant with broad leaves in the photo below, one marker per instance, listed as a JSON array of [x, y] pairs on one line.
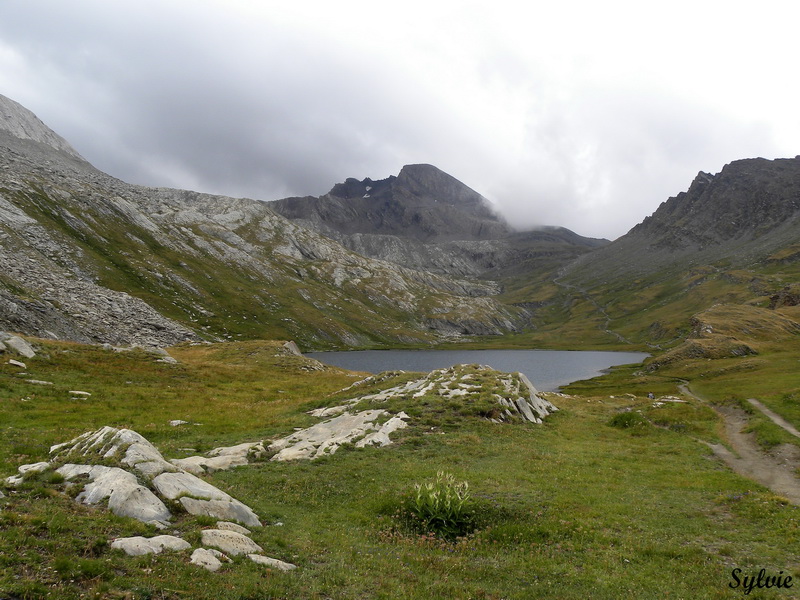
[[442, 507]]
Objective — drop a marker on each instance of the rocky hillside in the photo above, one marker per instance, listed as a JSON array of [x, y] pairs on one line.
[[733, 237], [91, 258], [739, 217], [425, 219]]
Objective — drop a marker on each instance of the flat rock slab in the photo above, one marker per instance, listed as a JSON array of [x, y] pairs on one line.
[[326, 437], [175, 485], [232, 510], [19, 346], [230, 542], [138, 545], [221, 459], [228, 526], [271, 562]]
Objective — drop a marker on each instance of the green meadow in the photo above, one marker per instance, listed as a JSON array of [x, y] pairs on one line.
[[587, 505]]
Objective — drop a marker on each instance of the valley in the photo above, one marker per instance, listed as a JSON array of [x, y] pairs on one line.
[[145, 307]]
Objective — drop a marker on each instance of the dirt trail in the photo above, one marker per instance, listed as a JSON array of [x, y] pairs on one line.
[[775, 472]]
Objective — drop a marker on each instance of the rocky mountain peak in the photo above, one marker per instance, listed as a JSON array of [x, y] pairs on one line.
[[745, 200], [422, 203], [22, 123], [428, 181]]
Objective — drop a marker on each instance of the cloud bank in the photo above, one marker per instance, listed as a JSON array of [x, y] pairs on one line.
[[583, 115]]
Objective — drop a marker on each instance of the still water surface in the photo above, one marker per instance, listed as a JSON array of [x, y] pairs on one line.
[[547, 369]]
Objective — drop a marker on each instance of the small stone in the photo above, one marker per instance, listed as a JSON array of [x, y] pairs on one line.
[[207, 558], [33, 468], [38, 382], [271, 562], [230, 542], [79, 393], [178, 422], [17, 363]]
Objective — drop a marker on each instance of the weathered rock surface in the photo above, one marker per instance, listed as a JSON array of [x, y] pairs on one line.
[[208, 558], [360, 428], [174, 485], [138, 545], [228, 526], [126, 496], [221, 459], [17, 344], [230, 510], [271, 562], [128, 486], [230, 542]]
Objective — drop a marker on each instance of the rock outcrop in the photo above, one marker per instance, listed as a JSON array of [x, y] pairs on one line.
[[143, 483]]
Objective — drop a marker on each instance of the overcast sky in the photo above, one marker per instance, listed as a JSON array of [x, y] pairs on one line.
[[583, 114]]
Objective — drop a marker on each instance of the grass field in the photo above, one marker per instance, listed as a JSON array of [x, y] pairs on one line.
[[573, 508]]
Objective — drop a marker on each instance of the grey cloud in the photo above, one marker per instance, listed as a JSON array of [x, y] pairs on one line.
[[189, 94]]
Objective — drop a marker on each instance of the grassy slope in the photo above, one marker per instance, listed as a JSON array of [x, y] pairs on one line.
[[574, 508]]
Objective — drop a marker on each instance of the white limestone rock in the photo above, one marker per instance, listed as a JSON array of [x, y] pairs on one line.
[[232, 510], [228, 526], [221, 459], [175, 485], [108, 442], [208, 558], [126, 496], [381, 437], [271, 562], [17, 363], [326, 437], [18, 345], [138, 545], [230, 542]]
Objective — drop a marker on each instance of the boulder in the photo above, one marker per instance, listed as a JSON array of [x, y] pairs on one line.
[[18, 345], [138, 545], [230, 542], [208, 558], [126, 496]]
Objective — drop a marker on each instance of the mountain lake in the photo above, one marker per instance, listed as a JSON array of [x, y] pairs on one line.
[[548, 370]]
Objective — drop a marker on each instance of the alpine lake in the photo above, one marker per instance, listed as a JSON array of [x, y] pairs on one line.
[[548, 370]]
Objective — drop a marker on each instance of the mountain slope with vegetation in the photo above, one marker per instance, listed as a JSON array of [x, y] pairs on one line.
[[91, 258]]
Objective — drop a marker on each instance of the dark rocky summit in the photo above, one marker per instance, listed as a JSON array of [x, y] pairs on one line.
[[742, 216], [425, 219]]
